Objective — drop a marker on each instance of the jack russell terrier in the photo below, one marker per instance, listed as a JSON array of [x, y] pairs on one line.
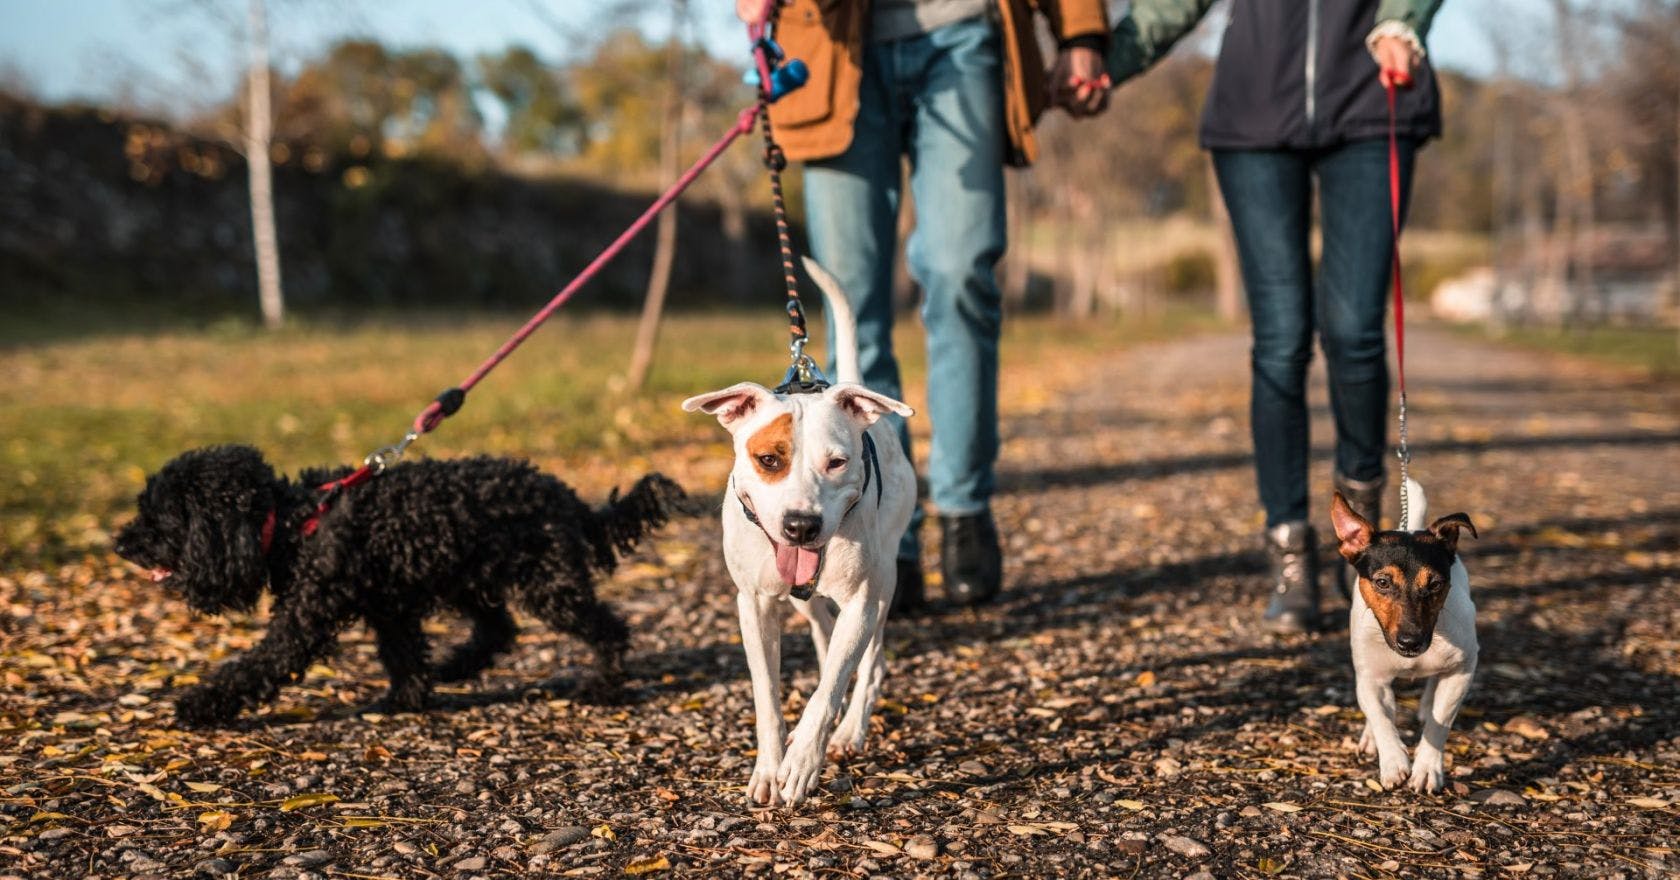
[[819, 496], [1411, 618]]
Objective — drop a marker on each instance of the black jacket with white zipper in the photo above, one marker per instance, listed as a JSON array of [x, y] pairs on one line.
[[1292, 74]]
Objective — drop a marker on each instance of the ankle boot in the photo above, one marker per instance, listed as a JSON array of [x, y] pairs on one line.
[[910, 597], [1365, 497], [969, 558], [1293, 549]]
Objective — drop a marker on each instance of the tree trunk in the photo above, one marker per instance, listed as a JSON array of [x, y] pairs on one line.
[[1226, 270], [665, 247], [258, 132]]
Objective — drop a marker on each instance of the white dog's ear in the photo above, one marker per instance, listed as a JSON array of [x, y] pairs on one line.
[[730, 405], [864, 405]]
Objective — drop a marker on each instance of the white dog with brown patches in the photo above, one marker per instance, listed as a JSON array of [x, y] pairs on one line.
[[819, 496]]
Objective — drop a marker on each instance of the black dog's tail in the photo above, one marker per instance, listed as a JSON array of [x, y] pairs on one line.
[[624, 520]]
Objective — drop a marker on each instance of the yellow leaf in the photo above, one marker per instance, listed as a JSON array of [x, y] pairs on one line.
[[603, 831], [1146, 678], [300, 801], [311, 756], [1282, 807], [204, 787], [647, 866], [1129, 804], [216, 820], [1372, 784], [43, 816], [1270, 866], [363, 822]]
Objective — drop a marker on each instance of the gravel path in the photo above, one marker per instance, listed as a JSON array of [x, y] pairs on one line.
[[1118, 713]]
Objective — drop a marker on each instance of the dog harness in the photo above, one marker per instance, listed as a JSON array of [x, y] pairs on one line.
[[871, 473]]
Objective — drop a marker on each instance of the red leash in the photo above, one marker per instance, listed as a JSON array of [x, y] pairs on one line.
[[1391, 81], [450, 401]]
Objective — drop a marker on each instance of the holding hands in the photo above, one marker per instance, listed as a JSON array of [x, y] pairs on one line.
[[1079, 82]]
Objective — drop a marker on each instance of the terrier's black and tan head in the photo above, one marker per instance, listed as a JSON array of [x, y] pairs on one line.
[[1403, 576]]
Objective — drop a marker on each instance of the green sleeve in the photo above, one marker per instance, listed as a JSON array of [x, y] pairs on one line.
[[1148, 32], [1416, 14]]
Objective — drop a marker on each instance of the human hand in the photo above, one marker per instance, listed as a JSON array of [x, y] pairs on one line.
[[752, 11], [1079, 83], [1395, 60]]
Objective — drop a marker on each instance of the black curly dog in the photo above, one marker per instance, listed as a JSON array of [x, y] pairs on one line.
[[421, 538]]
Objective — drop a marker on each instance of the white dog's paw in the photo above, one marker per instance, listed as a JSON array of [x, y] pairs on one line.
[[847, 743], [1367, 742], [1394, 770], [761, 788], [1427, 774], [798, 774]]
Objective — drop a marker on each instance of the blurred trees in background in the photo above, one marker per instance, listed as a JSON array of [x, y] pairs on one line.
[[406, 173]]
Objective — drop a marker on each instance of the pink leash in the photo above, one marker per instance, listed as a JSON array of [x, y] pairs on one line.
[[450, 401]]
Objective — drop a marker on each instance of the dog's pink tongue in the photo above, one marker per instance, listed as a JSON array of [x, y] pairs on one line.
[[160, 575], [796, 565]]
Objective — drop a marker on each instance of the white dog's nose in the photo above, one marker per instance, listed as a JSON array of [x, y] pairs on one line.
[[799, 528]]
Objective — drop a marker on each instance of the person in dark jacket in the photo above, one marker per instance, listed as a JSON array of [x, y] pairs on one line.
[[1298, 94]]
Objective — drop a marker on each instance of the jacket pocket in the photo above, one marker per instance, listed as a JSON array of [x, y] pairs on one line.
[[805, 32]]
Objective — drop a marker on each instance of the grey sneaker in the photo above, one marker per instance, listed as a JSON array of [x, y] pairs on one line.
[[1293, 548], [1365, 497]]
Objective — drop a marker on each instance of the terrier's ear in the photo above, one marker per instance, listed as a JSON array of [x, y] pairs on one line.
[[1447, 528], [864, 405], [1352, 530], [732, 404]]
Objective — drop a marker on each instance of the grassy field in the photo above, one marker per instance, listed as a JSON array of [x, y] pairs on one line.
[[83, 420], [1655, 350]]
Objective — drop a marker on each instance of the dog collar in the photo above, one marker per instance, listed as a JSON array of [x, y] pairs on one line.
[[871, 473]]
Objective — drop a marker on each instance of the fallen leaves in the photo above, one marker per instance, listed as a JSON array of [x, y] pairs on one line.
[[216, 820], [304, 801]]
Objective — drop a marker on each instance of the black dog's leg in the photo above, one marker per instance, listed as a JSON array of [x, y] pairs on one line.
[[567, 603], [402, 648], [493, 633], [300, 633]]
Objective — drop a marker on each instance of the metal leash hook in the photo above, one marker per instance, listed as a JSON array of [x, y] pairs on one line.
[[1404, 453], [385, 456]]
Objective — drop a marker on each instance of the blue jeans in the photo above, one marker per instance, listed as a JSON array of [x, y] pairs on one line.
[[1269, 194], [936, 98]]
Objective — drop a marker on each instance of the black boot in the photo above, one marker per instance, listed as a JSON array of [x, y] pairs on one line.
[[910, 597], [1365, 497], [969, 558], [1293, 549]]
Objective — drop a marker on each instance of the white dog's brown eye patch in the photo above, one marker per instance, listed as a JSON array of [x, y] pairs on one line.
[[771, 448]]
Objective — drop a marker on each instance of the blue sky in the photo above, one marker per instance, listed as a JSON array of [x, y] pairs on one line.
[[174, 54]]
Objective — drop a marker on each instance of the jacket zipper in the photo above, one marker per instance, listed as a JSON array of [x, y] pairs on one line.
[[1312, 64]]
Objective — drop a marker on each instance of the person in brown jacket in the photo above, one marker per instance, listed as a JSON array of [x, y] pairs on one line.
[[954, 86]]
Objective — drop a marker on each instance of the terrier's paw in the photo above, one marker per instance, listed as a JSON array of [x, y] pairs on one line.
[[205, 707], [1428, 775], [761, 788], [846, 743], [1394, 770], [799, 771], [1367, 742]]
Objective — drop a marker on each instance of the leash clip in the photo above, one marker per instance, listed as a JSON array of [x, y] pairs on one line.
[[802, 376], [385, 456]]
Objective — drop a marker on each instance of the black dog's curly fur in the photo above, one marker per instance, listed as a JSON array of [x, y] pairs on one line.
[[423, 537]]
